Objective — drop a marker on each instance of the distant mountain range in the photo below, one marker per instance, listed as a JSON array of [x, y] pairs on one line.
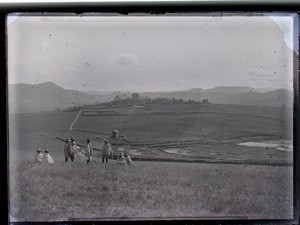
[[236, 95], [28, 98]]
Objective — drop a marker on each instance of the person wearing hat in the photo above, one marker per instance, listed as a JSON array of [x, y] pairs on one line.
[[89, 151], [69, 152], [48, 157], [107, 150], [39, 156], [73, 141], [66, 148]]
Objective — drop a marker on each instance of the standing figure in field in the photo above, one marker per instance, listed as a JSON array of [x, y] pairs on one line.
[[107, 150], [128, 159], [48, 157], [66, 148], [69, 152], [89, 151], [39, 155]]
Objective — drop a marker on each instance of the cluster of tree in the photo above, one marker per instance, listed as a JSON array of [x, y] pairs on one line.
[[134, 99], [137, 99], [167, 100]]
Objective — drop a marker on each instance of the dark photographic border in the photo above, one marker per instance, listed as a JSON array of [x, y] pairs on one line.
[[155, 8]]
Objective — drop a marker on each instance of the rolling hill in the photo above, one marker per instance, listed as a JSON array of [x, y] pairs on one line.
[[276, 98], [235, 95], [29, 98], [198, 94], [230, 89]]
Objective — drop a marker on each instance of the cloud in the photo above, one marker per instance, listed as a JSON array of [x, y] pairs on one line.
[[126, 59]]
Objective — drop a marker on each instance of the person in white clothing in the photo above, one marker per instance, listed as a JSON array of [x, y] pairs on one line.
[[128, 159], [39, 156], [121, 159], [48, 157], [88, 151]]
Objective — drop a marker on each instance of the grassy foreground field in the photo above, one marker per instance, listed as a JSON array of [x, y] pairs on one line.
[[153, 189], [148, 190]]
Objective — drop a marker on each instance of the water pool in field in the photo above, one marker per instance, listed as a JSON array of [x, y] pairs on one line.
[[177, 151], [281, 145], [135, 152]]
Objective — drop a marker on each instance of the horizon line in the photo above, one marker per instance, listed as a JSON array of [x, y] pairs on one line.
[[164, 91]]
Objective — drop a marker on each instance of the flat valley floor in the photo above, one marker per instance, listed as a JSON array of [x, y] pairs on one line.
[[188, 163]]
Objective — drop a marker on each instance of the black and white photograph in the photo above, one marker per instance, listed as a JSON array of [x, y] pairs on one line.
[[151, 117]]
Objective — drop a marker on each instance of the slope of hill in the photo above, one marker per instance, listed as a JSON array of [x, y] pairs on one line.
[[230, 89], [25, 98], [277, 98], [109, 97], [97, 92], [196, 90], [240, 95], [265, 89], [175, 94]]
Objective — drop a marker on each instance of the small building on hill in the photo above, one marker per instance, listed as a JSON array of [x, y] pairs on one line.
[[118, 143], [114, 134]]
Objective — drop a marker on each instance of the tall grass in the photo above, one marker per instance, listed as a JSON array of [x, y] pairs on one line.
[[149, 190]]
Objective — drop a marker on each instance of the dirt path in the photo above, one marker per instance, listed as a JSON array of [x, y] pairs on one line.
[[75, 120]]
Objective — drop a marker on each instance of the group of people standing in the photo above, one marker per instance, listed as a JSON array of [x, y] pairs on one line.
[[71, 150]]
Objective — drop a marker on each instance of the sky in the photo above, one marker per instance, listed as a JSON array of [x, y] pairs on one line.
[[150, 53]]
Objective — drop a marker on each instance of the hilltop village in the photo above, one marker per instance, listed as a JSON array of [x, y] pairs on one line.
[[136, 98]]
